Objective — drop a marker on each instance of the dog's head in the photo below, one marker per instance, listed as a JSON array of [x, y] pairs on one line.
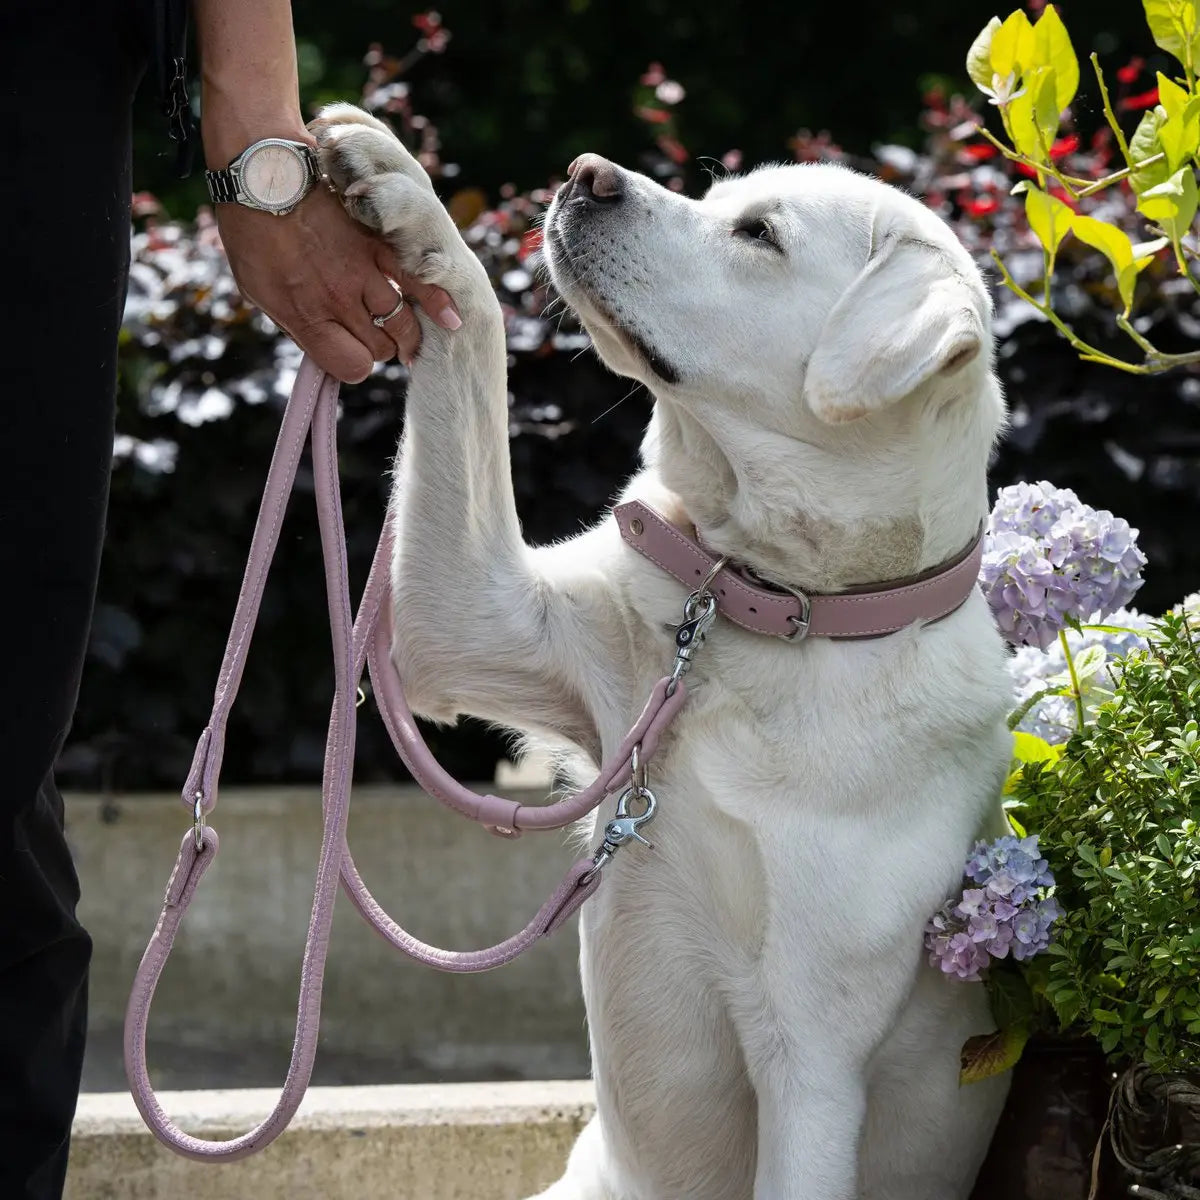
[[846, 291], [791, 317]]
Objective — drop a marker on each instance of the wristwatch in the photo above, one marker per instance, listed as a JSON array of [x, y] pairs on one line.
[[273, 175]]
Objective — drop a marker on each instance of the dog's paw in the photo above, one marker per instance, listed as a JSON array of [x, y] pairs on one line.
[[352, 145], [384, 187]]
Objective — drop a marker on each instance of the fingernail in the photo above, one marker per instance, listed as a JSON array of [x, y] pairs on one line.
[[449, 318]]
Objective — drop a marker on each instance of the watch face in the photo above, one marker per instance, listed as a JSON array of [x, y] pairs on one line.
[[274, 176]]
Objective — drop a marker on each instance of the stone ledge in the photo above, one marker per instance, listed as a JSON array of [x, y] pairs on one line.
[[487, 1141]]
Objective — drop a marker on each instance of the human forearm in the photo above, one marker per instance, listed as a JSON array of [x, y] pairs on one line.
[[248, 72]]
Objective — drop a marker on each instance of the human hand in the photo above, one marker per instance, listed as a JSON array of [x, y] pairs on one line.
[[321, 276]]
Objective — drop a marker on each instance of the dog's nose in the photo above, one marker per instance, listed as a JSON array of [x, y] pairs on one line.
[[596, 180]]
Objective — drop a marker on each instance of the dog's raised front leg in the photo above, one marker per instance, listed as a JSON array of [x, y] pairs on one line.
[[484, 625]]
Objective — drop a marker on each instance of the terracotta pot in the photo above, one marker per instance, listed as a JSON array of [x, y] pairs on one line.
[[1043, 1146]]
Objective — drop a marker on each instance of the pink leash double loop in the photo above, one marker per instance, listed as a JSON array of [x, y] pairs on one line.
[[363, 641]]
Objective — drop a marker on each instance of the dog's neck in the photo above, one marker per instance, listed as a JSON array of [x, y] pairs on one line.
[[818, 516]]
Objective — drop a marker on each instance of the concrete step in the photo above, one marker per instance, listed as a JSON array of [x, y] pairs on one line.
[[485, 1141]]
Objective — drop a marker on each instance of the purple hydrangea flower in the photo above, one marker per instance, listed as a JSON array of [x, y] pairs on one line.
[[1049, 557], [1010, 913]]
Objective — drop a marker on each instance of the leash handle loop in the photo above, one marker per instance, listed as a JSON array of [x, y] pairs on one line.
[[313, 405]]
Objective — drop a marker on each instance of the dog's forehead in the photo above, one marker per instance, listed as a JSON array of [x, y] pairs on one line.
[[803, 188]]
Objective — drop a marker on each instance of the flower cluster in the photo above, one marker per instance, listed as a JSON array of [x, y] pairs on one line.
[[1054, 717], [1050, 559], [1009, 913]]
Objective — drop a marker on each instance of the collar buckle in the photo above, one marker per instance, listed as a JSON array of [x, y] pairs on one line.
[[798, 621]]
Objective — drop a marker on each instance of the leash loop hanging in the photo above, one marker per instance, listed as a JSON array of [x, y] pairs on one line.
[[357, 643]]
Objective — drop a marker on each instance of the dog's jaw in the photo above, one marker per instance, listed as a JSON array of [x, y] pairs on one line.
[[569, 251]]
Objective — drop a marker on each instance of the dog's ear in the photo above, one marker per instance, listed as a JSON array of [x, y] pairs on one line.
[[909, 316]]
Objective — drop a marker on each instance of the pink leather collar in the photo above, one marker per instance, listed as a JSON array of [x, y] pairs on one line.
[[793, 614]]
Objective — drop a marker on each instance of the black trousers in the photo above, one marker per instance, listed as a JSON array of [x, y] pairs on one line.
[[66, 87]]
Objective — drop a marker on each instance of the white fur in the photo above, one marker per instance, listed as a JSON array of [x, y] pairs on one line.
[[763, 1020]]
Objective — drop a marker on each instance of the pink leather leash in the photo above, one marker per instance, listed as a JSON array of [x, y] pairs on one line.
[[366, 641], [314, 404]]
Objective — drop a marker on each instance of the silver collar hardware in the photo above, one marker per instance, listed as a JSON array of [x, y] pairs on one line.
[[198, 825], [623, 828], [799, 623], [699, 613]]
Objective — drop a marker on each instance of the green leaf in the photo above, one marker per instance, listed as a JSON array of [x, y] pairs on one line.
[[1092, 659], [1028, 747], [1115, 245], [1013, 46], [1012, 999], [979, 57], [1173, 26], [1016, 825], [1105, 1016], [1046, 110], [1054, 50], [1023, 125], [1179, 133], [991, 1054], [1145, 144], [1172, 203], [1048, 217]]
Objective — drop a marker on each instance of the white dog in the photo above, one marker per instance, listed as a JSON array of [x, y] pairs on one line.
[[762, 1016]]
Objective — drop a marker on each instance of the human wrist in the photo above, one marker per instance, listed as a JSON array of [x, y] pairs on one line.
[[226, 130]]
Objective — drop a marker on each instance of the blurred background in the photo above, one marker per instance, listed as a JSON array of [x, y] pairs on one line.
[[498, 99]]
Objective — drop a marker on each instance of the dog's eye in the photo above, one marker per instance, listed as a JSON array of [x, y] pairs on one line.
[[757, 230]]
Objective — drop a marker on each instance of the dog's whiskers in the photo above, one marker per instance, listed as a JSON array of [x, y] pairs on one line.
[[612, 407]]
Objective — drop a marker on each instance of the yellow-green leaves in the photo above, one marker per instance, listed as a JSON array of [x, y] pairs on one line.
[[1013, 45], [1051, 220], [1173, 26], [1170, 132], [1143, 146], [1171, 204], [1056, 54], [1030, 72], [1115, 245], [1028, 747], [1048, 217], [979, 57], [1179, 133]]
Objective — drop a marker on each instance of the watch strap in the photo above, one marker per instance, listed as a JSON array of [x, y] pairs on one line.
[[222, 186]]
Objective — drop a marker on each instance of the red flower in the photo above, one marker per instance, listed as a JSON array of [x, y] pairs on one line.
[[1131, 70], [979, 151], [1141, 100], [1025, 169], [654, 116], [1057, 192], [428, 22], [1064, 146], [654, 75], [980, 206], [672, 149], [145, 204], [530, 244]]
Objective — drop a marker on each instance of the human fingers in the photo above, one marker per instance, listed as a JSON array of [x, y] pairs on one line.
[[396, 322]]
